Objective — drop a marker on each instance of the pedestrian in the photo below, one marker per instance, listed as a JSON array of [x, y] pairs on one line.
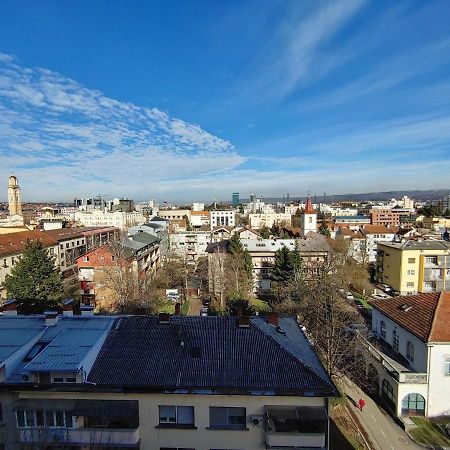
[[361, 403]]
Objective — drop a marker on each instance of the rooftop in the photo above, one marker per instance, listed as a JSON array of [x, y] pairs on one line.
[[211, 354], [14, 243], [427, 316], [419, 245]]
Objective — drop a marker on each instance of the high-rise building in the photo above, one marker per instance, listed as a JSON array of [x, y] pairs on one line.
[[15, 205], [235, 199]]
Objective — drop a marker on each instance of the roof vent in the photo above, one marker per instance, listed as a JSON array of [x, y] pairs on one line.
[[164, 318], [243, 322], [405, 307]]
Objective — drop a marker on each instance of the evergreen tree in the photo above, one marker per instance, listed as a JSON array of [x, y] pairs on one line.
[[264, 231], [35, 283], [283, 269], [297, 262], [323, 229], [242, 260]]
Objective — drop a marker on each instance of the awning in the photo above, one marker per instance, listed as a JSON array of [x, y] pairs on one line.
[[106, 408]]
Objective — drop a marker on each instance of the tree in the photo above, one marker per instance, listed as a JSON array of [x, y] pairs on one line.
[[188, 223], [35, 283], [241, 264], [323, 229], [264, 231], [282, 269]]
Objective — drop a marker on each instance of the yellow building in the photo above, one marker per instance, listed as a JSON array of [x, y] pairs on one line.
[[412, 267], [435, 223]]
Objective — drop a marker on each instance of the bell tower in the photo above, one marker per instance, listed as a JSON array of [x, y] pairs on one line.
[[15, 205], [308, 219]]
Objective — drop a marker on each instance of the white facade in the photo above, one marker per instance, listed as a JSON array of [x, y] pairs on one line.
[[198, 206], [190, 245], [308, 223], [224, 218], [269, 219], [119, 219], [428, 374]]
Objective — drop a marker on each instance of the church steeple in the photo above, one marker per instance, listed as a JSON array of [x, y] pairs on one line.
[[15, 205], [308, 219]]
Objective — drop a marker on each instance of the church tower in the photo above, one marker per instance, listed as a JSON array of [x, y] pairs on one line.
[[15, 205], [308, 219]]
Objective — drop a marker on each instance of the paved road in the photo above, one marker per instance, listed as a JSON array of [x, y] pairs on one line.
[[195, 305], [383, 432]]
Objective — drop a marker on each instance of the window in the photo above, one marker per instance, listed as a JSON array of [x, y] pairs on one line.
[[395, 340], [85, 258], [40, 418], [223, 418], [410, 351], [410, 284], [411, 260], [383, 329], [58, 380], [388, 391], [447, 365], [411, 272], [67, 244], [176, 416], [431, 259]]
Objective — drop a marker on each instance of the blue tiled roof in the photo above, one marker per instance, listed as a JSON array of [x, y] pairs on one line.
[[210, 353]]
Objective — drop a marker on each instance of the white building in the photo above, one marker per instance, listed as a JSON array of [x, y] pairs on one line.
[[222, 218], [190, 245], [308, 221], [119, 219], [198, 206], [410, 367], [258, 221]]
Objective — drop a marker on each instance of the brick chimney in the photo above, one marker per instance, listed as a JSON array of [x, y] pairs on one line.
[[272, 318], [164, 318], [178, 309], [10, 308], [243, 322], [68, 307]]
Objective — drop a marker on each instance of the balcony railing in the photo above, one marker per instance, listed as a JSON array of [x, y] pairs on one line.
[[80, 436], [296, 427]]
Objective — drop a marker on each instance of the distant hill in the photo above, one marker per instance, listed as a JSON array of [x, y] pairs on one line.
[[434, 194]]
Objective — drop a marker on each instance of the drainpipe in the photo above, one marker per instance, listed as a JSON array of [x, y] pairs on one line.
[[428, 377]]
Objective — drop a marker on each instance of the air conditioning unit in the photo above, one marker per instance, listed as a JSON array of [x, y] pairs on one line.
[[257, 420]]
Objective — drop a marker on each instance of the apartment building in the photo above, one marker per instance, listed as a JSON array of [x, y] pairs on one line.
[[438, 224], [258, 221], [118, 219], [175, 214], [200, 219], [12, 246], [386, 217], [352, 222], [161, 383], [225, 218], [409, 364], [190, 245], [412, 267]]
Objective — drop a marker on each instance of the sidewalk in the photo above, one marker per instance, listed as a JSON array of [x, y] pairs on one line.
[[381, 429]]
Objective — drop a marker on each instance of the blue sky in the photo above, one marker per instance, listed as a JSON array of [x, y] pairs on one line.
[[185, 100]]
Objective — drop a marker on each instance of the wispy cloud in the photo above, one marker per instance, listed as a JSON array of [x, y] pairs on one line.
[[56, 132]]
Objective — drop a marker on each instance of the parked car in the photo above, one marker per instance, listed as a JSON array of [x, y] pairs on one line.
[[349, 296], [204, 311], [359, 304], [206, 301], [380, 296], [386, 288]]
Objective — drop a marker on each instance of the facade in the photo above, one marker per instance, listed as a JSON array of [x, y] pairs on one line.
[[200, 219], [409, 364], [151, 383], [412, 267], [12, 246], [386, 217], [156, 229], [445, 202], [222, 218], [439, 224], [175, 214], [190, 245], [353, 222], [118, 219], [258, 221]]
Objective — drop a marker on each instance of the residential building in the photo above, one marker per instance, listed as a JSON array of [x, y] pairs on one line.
[[175, 214], [12, 246], [445, 204], [308, 219], [386, 217], [257, 221], [139, 254], [121, 204], [190, 245], [314, 250], [158, 383], [86, 204], [413, 266], [220, 218], [409, 364], [196, 206], [118, 219], [200, 219], [156, 229], [374, 234], [352, 222], [438, 224]]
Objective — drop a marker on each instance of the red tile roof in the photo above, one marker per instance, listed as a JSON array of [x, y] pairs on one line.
[[427, 316], [309, 208], [14, 243]]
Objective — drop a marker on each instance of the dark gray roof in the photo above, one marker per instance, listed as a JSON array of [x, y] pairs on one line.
[[142, 353], [159, 219], [144, 238]]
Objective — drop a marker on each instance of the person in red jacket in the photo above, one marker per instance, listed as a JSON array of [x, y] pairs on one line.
[[361, 403]]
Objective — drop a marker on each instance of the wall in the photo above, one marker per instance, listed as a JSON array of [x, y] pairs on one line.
[[439, 383]]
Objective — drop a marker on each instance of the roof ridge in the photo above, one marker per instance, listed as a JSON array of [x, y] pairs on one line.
[[292, 355], [436, 316]]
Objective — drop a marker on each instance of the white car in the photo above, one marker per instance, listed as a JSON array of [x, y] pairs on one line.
[[381, 296], [349, 296]]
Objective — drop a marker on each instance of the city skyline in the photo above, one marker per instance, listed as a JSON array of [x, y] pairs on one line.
[[201, 101]]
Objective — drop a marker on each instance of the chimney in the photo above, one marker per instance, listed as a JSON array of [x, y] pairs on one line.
[[87, 310], [272, 318], [178, 309], [164, 318], [68, 307], [51, 318], [243, 322], [9, 308]]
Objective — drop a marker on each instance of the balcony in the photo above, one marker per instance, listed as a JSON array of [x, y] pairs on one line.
[[80, 436], [394, 363], [296, 427]]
